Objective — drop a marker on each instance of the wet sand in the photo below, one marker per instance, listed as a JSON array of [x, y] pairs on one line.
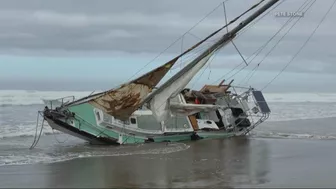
[[239, 162]]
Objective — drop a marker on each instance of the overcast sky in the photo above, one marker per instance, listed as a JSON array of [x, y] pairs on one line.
[[109, 40]]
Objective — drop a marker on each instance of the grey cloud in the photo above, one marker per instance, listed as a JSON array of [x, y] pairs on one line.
[[149, 26]]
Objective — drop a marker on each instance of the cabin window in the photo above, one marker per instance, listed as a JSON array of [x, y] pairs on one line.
[[133, 120], [98, 116]]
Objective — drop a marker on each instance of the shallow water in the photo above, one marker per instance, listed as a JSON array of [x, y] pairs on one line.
[[238, 162], [294, 148]]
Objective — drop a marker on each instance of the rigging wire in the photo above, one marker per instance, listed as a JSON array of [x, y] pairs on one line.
[[290, 19], [256, 53], [275, 45], [227, 29], [192, 55], [244, 30], [302, 47], [198, 78], [226, 20], [181, 61], [240, 54]]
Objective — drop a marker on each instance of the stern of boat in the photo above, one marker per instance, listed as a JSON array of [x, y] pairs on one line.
[[253, 110], [62, 118]]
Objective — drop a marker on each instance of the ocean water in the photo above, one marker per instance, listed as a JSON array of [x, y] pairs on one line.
[[18, 117]]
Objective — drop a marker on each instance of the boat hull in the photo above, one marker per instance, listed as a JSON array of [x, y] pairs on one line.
[[84, 134]]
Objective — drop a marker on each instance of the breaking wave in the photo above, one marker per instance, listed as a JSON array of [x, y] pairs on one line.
[[300, 97], [9, 131], [300, 111], [22, 97], [291, 136]]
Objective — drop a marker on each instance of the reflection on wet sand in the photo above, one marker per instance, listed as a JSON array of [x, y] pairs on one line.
[[225, 163]]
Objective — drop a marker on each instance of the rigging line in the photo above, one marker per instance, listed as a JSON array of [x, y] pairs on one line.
[[60, 142], [253, 54], [257, 66], [181, 62], [221, 78], [198, 50], [239, 53], [191, 56], [226, 20], [37, 138], [302, 47], [288, 21], [177, 39], [303, 6], [258, 51], [195, 53], [209, 70], [208, 67], [198, 78], [199, 38]]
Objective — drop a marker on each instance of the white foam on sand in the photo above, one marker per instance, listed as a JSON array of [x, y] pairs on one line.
[[291, 135], [22, 157]]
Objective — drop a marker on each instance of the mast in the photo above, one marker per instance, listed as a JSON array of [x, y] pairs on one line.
[[226, 38]]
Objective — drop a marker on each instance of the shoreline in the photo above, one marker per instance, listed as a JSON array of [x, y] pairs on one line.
[[217, 163]]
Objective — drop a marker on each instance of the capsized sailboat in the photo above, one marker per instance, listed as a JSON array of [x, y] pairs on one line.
[[140, 111]]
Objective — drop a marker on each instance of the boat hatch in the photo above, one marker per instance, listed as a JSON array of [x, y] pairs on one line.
[[260, 100]]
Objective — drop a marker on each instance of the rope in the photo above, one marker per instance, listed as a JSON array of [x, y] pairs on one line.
[[305, 43], [58, 140], [36, 139]]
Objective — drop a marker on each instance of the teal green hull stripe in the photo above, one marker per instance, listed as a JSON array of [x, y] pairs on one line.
[[86, 121]]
